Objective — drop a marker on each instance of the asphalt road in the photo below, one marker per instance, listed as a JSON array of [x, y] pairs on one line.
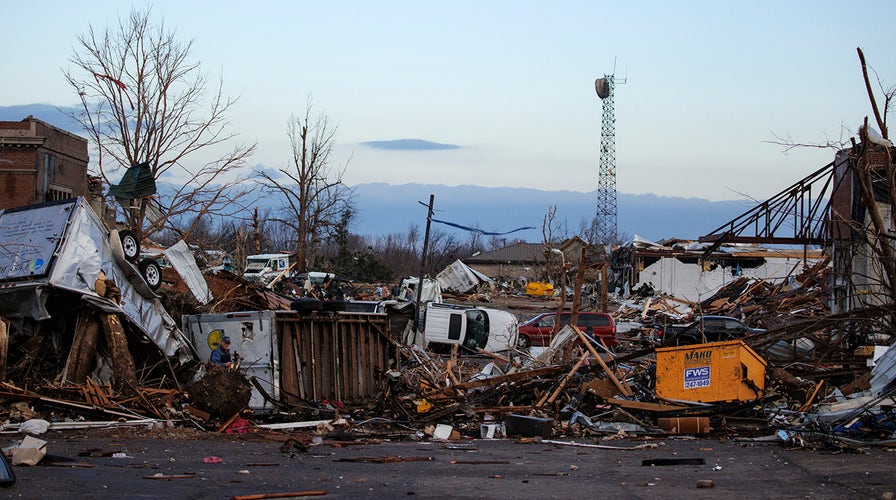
[[470, 468]]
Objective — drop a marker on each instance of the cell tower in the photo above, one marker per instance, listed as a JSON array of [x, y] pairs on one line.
[[605, 219]]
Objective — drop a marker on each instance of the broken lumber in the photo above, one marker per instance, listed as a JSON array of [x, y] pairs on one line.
[[288, 494], [624, 388], [562, 385], [512, 377]]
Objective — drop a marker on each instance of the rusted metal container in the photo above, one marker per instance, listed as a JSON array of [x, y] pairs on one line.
[[707, 373]]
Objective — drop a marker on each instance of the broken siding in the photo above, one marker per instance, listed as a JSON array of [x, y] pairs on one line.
[[690, 282]]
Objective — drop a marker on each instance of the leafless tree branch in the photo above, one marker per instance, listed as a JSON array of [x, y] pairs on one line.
[[145, 100]]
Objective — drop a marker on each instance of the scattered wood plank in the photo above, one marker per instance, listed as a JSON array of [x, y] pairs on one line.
[[383, 460], [639, 405], [624, 388], [512, 377], [287, 494]]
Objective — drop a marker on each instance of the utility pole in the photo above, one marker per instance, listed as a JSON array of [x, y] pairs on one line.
[[417, 311]]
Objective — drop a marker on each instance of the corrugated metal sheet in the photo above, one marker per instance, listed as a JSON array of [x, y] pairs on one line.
[[884, 371], [460, 277]]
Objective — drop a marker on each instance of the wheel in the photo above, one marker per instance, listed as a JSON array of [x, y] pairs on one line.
[[129, 244], [152, 273], [523, 342], [306, 305]]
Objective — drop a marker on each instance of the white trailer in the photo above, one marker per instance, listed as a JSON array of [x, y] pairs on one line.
[[64, 245], [253, 337]]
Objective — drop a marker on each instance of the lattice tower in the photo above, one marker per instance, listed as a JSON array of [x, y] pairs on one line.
[[605, 219]]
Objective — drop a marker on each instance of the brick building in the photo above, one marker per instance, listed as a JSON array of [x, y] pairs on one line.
[[39, 162]]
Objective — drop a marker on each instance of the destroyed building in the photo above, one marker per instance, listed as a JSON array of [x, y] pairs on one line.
[[862, 225], [679, 268], [320, 359], [39, 162]]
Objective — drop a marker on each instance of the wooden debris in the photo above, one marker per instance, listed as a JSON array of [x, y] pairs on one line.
[[383, 460], [287, 494], [189, 475]]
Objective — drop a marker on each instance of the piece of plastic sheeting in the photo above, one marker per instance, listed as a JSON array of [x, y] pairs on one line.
[[181, 258]]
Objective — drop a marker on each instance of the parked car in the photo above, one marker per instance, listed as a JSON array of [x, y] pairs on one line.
[[538, 330], [705, 329]]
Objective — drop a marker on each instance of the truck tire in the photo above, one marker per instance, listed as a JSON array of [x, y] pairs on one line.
[[523, 342], [334, 305], [306, 305], [152, 273], [129, 244]]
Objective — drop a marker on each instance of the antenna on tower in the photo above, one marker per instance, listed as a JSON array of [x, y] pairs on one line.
[[605, 218]]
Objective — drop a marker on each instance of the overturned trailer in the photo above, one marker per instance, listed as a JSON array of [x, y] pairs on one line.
[[299, 357], [56, 260]]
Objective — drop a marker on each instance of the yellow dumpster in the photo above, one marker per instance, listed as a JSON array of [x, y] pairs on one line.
[[708, 373], [539, 289]]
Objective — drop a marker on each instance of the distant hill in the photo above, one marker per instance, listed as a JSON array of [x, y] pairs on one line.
[[386, 209]]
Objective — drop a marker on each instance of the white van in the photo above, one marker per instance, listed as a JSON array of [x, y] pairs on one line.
[[263, 268], [472, 327]]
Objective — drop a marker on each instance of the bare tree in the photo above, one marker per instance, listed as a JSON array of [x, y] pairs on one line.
[[145, 101], [313, 194]]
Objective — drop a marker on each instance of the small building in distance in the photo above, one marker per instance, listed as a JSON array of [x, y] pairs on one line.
[[518, 260], [39, 162]]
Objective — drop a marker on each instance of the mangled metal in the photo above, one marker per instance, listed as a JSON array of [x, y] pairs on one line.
[[64, 246]]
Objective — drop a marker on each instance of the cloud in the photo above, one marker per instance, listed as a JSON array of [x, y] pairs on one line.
[[409, 145]]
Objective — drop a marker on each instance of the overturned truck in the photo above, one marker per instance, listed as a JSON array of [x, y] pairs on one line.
[[68, 294], [295, 358]]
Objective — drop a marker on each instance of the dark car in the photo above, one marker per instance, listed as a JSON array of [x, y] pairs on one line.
[[538, 330], [707, 329]]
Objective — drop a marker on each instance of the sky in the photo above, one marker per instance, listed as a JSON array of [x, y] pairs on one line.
[[703, 89]]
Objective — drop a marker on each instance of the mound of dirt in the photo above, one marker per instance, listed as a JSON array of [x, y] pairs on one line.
[[222, 392]]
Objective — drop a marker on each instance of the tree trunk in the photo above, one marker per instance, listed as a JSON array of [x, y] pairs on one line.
[[124, 374], [4, 346], [81, 356]]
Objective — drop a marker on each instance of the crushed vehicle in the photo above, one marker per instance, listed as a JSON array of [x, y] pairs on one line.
[[539, 330], [407, 290], [705, 329], [324, 286], [470, 327], [64, 246]]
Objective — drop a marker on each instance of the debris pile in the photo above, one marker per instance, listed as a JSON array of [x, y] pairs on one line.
[[104, 346]]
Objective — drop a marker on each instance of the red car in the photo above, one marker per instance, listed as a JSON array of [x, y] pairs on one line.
[[537, 331]]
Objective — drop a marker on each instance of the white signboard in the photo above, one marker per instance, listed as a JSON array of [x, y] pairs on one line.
[[29, 238]]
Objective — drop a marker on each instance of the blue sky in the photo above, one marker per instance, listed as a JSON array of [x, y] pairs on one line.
[[511, 83]]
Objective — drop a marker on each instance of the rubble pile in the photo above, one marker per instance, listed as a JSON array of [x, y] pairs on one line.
[[109, 347]]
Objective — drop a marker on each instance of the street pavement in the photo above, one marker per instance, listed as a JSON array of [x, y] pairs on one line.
[[224, 467]]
